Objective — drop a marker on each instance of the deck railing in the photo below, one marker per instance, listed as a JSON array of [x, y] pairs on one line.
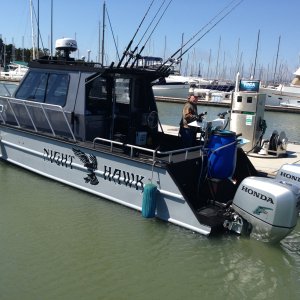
[[34, 115], [156, 154]]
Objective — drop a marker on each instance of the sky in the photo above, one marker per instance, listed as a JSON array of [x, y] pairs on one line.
[[256, 33]]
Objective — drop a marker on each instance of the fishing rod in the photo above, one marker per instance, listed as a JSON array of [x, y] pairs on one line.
[[142, 49], [130, 43], [131, 54], [172, 60]]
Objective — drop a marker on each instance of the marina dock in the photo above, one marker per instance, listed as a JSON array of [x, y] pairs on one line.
[[271, 164], [228, 104]]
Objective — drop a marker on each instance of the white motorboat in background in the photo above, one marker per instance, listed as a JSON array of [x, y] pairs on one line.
[[284, 95], [178, 86], [15, 71], [295, 103]]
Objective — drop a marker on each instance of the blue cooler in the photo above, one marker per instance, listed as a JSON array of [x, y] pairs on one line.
[[222, 148]]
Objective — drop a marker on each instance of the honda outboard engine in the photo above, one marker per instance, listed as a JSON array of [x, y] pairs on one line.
[[289, 174], [269, 206]]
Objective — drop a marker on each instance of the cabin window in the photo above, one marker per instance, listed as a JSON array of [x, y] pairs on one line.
[[57, 89], [44, 87], [33, 87], [96, 97], [122, 90]]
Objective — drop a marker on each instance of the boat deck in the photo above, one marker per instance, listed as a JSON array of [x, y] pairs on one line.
[[263, 163]]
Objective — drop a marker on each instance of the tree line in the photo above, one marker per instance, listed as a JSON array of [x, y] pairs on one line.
[[9, 53]]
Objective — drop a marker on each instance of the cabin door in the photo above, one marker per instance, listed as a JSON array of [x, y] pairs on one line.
[[121, 107], [98, 108]]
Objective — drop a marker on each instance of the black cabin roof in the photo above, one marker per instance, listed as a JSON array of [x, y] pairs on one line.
[[82, 66]]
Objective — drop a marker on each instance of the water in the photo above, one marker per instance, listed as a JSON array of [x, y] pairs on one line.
[[287, 122], [61, 243]]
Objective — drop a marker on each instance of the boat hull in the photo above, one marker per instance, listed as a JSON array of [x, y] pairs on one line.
[[118, 178], [171, 90]]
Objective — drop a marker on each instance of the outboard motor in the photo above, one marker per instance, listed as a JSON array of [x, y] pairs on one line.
[[270, 207], [289, 174]]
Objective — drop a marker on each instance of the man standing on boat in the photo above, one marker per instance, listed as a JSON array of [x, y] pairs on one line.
[[189, 114]]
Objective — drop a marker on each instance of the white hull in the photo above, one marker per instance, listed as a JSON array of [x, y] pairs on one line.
[[277, 97], [291, 103], [283, 93], [171, 90], [118, 179]]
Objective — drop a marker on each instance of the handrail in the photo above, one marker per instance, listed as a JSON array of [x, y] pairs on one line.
[[42, 106], [154, 153]]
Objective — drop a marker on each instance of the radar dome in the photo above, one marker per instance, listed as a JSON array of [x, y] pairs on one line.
[[66, 44]]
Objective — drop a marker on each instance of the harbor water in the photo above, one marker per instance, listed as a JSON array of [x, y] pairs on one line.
[[61, 243], [170, 113]]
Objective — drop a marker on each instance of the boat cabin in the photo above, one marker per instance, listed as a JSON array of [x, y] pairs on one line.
[[111, 103]]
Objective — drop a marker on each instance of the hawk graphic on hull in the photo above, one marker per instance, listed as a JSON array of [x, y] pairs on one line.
[[90, 162]]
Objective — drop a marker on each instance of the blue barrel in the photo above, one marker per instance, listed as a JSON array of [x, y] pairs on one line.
[[222, 147]]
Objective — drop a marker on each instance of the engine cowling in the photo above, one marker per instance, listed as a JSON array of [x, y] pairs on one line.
[[289, 174], [268, 205]]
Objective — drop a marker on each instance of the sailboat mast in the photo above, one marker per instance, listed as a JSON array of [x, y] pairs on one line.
[[274, 79], [38, 28], [51, 42], [165, 47], [182, 36], [237, 66], [32, 31], [208, 67], [254, 68], [99, 43], [218, 56], [103, 31]]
